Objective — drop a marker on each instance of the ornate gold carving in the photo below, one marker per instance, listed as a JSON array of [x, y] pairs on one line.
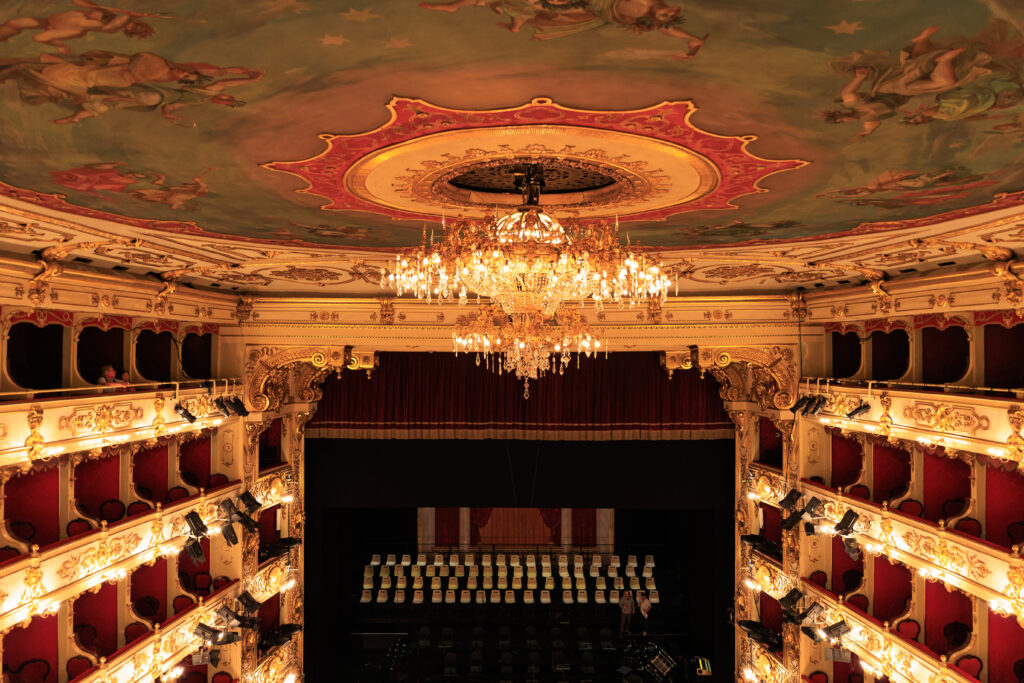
[[717, 314], [797, 306], [945, 417], [950, 557], [243, 309], [884, 301], [681, 360], [1013, 286], [159, 424], [774, 373], [266, 368], [1015, 442], [100, 419], [34, 441], [387, 310], [99, 556], [885, 419], [768, 577]]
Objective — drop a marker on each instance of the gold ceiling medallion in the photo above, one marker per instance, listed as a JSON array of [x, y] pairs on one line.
[[641, 164]]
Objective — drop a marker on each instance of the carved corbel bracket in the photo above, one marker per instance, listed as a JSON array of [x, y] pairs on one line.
[[773, 373], [268, 371]]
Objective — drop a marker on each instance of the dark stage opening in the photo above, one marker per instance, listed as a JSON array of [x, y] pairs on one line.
[[671, 499]]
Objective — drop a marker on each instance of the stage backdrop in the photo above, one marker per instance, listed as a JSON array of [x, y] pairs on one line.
[[441, 528], [444, 396]]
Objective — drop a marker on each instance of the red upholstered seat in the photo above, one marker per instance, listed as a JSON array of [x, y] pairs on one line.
[[195, 677], [911, 508], [78, 526], [85, 634], [969, 526], [177, 493], [220, 581], [953, 507], [138, 507], [970, 665], [8, 553], [182, 603], [77, 666], [852, 580], [1016, 533], [909, 629], [216, 479], [819, 577], [860, 491], [201, 583], [819, 677], [859, 600], [134, 631], [221, 677], [112, 510], [34, 671], [24, 531]]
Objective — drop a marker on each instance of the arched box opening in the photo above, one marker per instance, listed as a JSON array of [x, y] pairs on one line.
[[35, 355]]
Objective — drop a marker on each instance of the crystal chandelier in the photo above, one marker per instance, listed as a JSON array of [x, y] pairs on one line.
[[527, 261], [528, 344]]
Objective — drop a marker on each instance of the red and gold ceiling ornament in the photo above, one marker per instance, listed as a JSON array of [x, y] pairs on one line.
[[427, 161]]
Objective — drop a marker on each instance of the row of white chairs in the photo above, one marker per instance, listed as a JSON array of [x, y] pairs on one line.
[[496, 597], [503, 583], [468, 559], [519, 571]]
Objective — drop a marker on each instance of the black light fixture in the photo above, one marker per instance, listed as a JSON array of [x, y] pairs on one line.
[[845, 525], [222, 406], [819, 404], [233, 514], [811, 633], [195, 551], [810, 528], [800, 403], [232, 618], [208, 634], [761, 634], [792, 520], [229, 534], [790, 501], [196, 525], [184, 412], [228, 637], [837, 630], [809, 406], [789, 600], [852, 548], [813, 507], [804, 618], [859, 410], [238, 405], [249, 603], [249, 502], [762, 545], [809, 512]]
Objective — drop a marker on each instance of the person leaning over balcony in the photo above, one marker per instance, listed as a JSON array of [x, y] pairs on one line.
[[109, 376]]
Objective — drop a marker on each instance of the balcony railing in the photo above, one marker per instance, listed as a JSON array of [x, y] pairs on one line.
[[30, 430], [157, 653]]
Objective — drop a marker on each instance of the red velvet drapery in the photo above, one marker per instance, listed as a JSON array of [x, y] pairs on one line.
[[584, 526], [478, 518], [444, 396], [446, 526], [513, 527]]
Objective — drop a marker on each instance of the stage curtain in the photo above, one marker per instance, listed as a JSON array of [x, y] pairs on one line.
[[553, 519], [584, 526], [516, 527], [446, 526], [444, 396], [478, 518]]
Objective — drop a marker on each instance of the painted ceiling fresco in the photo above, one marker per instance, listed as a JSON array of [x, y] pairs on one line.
[[185, 115]]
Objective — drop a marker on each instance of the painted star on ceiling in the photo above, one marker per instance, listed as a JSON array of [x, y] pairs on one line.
[[333, 40], [359, 14], [397, 43], [847, 27]]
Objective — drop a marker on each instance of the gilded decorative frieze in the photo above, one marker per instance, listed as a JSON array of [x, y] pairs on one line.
[[945, 417], [947, 556], [99, 556], [773, 371], [100, 419]]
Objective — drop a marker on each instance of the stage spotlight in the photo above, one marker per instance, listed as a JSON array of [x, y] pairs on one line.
[[761, 634], [790, 501], [763, 545], [222, 406], [819, 404], [845, 525], [183, 412], [800, 403], [810, 528], [229, 533], [249, 603], [811, 613], [789, 600], [196, 524], [195, 551], [811, 401], [837, 630], [859, 410], [852, 548], [811, 633], [813, 508], [249, 502], [792, 520], [837, 654], [228, 637], [232, 618], [208, 634], [239, 406], [229, 510]]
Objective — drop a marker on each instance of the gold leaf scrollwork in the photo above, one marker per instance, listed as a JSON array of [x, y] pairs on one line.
[[947, 556], [34, 442], [944, 417]]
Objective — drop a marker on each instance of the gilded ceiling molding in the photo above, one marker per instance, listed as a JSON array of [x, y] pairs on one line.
[[773, 372]]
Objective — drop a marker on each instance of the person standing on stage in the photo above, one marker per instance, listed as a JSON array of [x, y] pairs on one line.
[[627, 606], [644, 605]]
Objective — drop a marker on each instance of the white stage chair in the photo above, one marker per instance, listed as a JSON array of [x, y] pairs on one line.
[[385, 570], [577, 571], [399, 570], [566, 583], [470, 560], [545, 571], [488, 583], [406, 560], [631, 561], [502, 583], [453, 584], [486, 560], [619, 584], [438, 559], [417, 583], [416, 570], [600, 584], [514, 560], [443, 570], [545, 597], [366, 597], [481, 597], [577, 560], [634, 583], [417, 597], [654, 597], [517, 583], [385, 582], [599, 597], [630, 570], [392, 560], [421, 559], [614, 561], [581, 583], [471, 583], [613, 597], [431, 570], [595, 560], [399, 597], [464, 597], [400, 583], [367, 582], [581, 597], [382, 596], [502, 571], [435, 583], [649, 561], [648, 572], [375, 560], [531, 583], [528, 597], [613, 572], [474, 570], [595, 571], [368, 570], [549, 583], [488, 570], [510, 597], [567, 597], [563, 560], [495, 597], [449, 597], [517, 572], [499, 560], [650, 585], [460, 571], [545, 561], [453, 559], [531, 560]]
